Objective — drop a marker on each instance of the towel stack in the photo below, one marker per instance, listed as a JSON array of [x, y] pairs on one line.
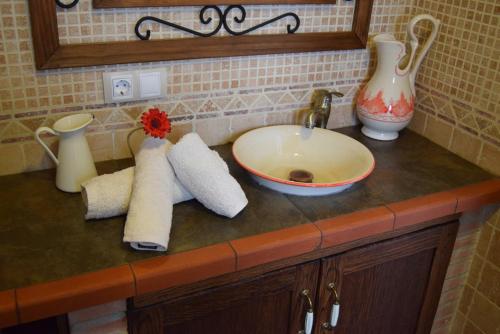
[[149, 191]]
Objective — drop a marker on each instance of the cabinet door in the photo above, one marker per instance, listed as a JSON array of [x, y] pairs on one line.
[[388, 287], [271, 303]]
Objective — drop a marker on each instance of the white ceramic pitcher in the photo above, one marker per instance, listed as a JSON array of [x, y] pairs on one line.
[[74, 162], [385, 105]]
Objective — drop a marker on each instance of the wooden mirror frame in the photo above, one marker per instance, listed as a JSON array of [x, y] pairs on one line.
[[50, 54]]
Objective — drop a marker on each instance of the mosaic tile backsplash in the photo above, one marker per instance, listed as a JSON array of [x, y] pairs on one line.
[[220, 98], [458, 86]]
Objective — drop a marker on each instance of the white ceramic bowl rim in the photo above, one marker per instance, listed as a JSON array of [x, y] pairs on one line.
[[72, 122], [302, 184]]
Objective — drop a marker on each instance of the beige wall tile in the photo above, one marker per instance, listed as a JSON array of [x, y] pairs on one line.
[[417, 124], [101, 145], [179, 130], [475, 271], [494, 247], [466, 299], [458, 323], [341, 116], [282, 118], [490, 158], [36, 156], [241, 124], [465, 145], [11, 159], [470, 328], [484, 240], [213, 131], [120, 147], [490, 283], [438, 131], [485, 315]]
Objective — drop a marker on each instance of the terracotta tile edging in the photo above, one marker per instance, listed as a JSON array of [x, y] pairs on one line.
[[44, 300], [423, 208], [474, 196], [235, 256], [276, 245], [135, 279], [163, 272], [353, 226], [8, 308]]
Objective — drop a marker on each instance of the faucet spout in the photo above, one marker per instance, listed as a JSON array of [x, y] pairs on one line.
[[322, 103], [310, 122]]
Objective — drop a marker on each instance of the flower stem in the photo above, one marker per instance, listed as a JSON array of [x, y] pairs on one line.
[[128, 140]]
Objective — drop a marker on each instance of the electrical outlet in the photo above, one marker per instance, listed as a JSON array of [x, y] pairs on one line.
[[134, 85], [119, 86], [122, 88]]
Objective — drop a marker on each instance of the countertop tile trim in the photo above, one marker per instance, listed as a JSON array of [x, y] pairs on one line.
[[423, 208], [58, 297], [276, 245], [8, 309], [474, 196], [163, 272], [353, 226]]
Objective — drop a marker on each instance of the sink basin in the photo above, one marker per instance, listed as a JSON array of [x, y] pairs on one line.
[[335, 161]]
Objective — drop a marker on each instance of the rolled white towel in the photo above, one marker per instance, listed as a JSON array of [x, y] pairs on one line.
[[108, 195], [200, 172], [149, 217]]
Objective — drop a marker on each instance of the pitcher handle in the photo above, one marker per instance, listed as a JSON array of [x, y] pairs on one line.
[[414, 41], [38, 139]]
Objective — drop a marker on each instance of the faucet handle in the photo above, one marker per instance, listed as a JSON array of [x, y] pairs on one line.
[[337, 94]]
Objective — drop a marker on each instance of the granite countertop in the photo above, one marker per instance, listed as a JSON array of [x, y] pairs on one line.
[[44, 236]]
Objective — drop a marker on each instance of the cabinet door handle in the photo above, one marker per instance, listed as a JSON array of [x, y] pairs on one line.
[[335, 312], [309, 319]]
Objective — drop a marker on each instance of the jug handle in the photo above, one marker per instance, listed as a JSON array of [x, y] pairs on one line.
[[414, 41], [38, 139]]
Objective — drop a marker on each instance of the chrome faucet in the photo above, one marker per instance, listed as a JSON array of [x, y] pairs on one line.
[[322, 104]]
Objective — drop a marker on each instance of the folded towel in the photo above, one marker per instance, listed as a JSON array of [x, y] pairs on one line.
[[200, 172], [149, 217], [108, 195]]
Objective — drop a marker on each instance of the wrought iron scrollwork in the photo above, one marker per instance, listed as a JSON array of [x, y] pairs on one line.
[[176, 26], [223, 22], [243, 13], [67, 5]]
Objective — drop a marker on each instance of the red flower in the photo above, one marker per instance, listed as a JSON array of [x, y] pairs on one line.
[[156, 123]]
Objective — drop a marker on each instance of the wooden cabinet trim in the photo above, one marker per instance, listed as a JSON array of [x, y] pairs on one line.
[[437, 276], [165, 3], [50, 54]]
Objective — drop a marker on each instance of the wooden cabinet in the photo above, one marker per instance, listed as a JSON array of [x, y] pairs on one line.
[[391, 286], [271, 303], [388, 287]]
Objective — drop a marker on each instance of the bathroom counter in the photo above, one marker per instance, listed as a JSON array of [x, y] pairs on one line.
[[53, 261]]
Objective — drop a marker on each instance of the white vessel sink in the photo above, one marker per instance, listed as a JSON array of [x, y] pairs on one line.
[[335, 161]]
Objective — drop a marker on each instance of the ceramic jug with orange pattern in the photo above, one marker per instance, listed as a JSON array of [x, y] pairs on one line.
[[385, 105]]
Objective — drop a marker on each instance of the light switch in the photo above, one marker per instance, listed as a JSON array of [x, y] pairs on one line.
[[150, 84]]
